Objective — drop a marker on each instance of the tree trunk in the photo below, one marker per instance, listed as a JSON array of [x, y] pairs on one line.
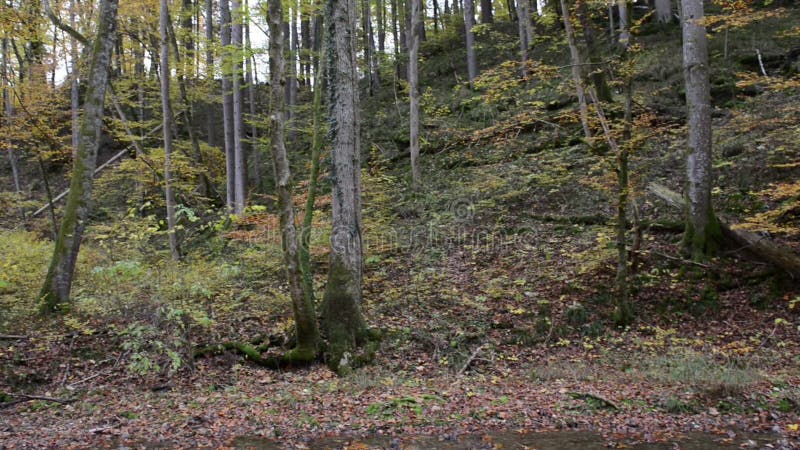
[[413, 81], [597, 74], [341, 311], [302, 301], [210, 107], [8, 112], [293, 74], [255, 149], [381, 17], [486, 11], [74, 87], [702, 230], [524, 39], [395, 36], [469, 22], [58, 282], [167, 128], [624, 33], [663, 11], [576, 60], [227, 104], [239, 157]]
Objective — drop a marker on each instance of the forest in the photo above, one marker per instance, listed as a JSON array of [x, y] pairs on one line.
[[368, 224]]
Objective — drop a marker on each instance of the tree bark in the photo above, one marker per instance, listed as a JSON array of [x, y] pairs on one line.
[[702, 230], [341, 312], [302, 300], [227, 104], [58, 282], [167, 128], [469, 22], [413, 81], [577, 61]]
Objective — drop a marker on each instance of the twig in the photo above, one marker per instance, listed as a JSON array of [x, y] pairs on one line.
[[761, 63], [682, 260]]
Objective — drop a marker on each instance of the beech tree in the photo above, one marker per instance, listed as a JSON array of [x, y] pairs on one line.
[[343, 323], [702, 233], [58, 282]]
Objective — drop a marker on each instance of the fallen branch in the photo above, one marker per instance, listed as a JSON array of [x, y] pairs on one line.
[[12, 337], [26, 398], [760, 246], [606, 403]]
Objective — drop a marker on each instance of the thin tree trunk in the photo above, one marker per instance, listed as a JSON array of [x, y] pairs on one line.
[[74, 95], [227, 104], [167, 128], [597, 74], [436, 16], [8, 111], [395, 36], [702, 234], [469, 22], [576, 60], [210, 109], [341, 311], [240, 159], [313, 182], [302, 301], [255, 149], [58, 282], [293, 78], [413, 81]]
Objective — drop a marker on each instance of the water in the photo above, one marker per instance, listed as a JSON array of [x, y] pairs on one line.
[[560, 440]]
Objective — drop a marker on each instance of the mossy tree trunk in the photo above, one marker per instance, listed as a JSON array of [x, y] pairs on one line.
[[302, 300], [702, 235], [58, 282], [341, 311]]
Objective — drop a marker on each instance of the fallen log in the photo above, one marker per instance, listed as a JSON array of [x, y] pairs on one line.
[[758, 245]]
